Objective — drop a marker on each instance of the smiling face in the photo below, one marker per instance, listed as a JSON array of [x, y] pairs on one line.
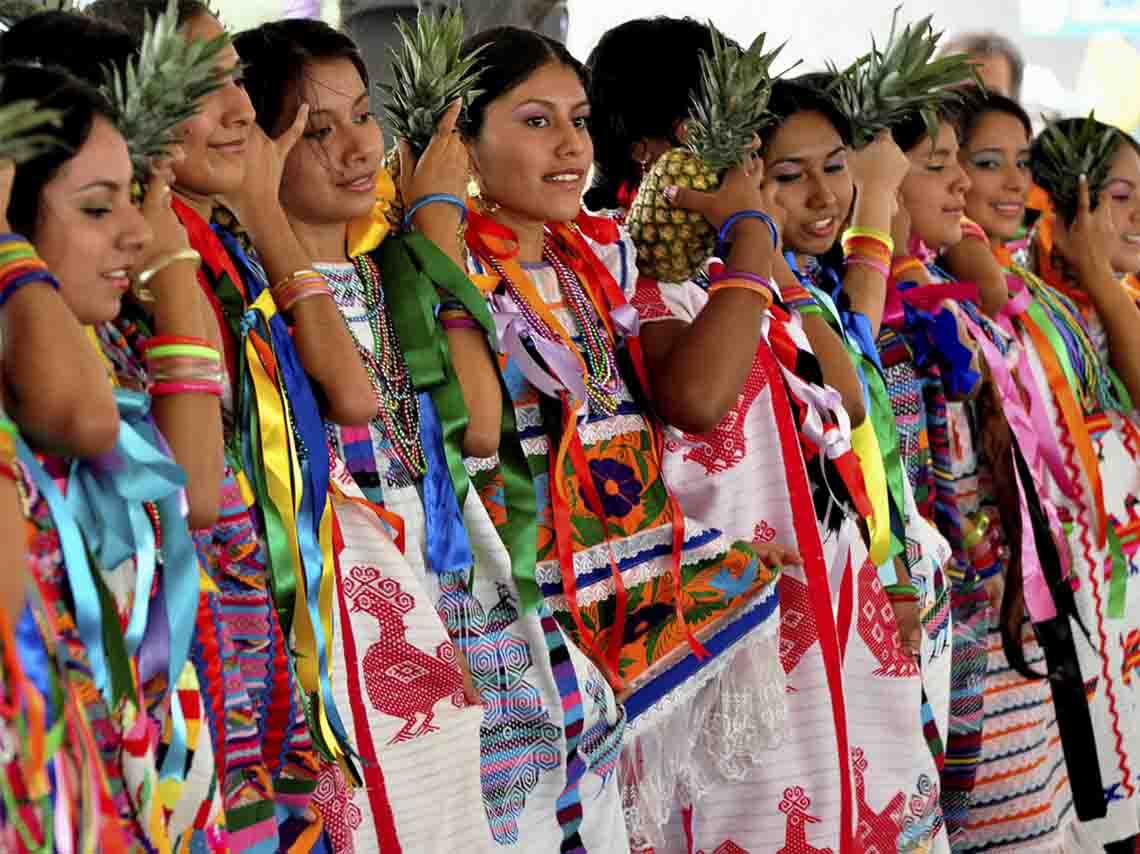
[[996, 159], [330, 176], [87, 230], [934, 190], [533, 151], [807, 160], [214, 140], [1122, 193]]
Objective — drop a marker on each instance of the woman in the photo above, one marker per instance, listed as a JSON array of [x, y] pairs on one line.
[[74, 202], [614, 550], [1073, 319], [422, 739], [1021, 791], [677, 316]]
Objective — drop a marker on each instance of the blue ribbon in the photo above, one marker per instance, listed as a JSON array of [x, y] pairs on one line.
[[80, 580], [934, 339], [448, 548], [309, 427], [106, 495]]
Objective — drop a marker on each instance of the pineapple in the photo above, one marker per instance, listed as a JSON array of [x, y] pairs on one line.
[[163, 87], [1066, 150], [728, 108], [22, 126], [429, 74], [12, 11], [883, 86]]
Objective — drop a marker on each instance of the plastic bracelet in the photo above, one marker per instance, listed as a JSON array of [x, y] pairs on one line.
[[286, 302], [722, 235], [972, 229], [459, 323], [729, 273], [432, 198], [451, 305], [796, 297], [902, 589], [762, 290], [182, 351], [11, 282], [205, 371], [880, 267], [872, 233], [186, 386], [867, 246], [139, 282], [8, 427], [8, 446], [9, 471], [900, 267], [989, 572], [296, 276]]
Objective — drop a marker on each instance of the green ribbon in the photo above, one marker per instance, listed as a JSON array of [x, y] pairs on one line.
[[414, 272], [1118, 583], [1045, 324]]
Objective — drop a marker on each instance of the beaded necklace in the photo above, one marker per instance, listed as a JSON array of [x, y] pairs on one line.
[[397, 406], [601, 376]]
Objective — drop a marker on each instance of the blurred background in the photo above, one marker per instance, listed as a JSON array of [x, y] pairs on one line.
[[1079, 54]]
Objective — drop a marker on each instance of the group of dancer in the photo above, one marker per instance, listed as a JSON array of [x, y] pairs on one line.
[[358, 505]]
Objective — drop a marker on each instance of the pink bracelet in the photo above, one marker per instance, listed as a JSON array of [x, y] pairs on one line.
[[459, 323], [875, 264], [186, 386]]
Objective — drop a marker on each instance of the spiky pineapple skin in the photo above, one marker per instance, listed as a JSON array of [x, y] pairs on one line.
[[672, 243], [397, 207]]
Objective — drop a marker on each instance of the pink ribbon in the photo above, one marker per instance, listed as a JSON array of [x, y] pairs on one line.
[[1038, 599]]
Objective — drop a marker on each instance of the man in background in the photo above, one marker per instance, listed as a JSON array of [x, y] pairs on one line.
[[1000, 64]]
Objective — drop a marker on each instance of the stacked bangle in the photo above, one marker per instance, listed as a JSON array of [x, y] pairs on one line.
[[868, 247], [299, 286], [904, 266], [432, 198], [902, 593], [742, 280], [972, 229], [722, 235], [452, 315], [20, 266], [800, 299], [177, 365], [142, 279], [8, 434]]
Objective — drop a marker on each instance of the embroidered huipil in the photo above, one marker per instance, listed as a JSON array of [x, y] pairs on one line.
[[748, 476], [610, 581], [1098, 434], [510, 768]]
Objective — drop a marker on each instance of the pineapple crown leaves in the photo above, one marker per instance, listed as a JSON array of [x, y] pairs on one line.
[[22, 126], [731, 102], [12, 11], [429, 72], [163, 87], [1066, 150], [885, 86]]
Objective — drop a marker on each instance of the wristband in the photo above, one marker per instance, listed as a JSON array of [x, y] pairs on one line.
[[722, 235], [164, 389], [432, 198]]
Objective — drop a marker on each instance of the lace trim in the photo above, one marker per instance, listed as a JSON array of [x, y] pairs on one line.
[[713, 729], [474, 465]]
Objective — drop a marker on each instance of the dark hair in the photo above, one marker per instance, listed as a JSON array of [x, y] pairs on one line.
[[80, 102], [77, 43], [803, 95], [975, 109], [633, 98], [275, 55], [991, 44], [1036, 155], [131, 15], [508, 58], [910, 129]]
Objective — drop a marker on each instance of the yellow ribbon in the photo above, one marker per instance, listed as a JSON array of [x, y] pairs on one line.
[[368, 232], [866, 446]]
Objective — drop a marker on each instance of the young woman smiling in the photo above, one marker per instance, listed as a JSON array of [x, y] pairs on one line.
[[431, 775], [1078, 326], [640, 588], [74, 202], [736, 471]]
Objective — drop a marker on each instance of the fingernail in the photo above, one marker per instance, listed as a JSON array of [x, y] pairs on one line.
[[670, 193], [1084, 178]]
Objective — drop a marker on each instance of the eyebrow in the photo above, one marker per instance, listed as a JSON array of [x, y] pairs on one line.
[[993, 149], [101, 184], [837, 150], [551, 104], [362, 96]]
